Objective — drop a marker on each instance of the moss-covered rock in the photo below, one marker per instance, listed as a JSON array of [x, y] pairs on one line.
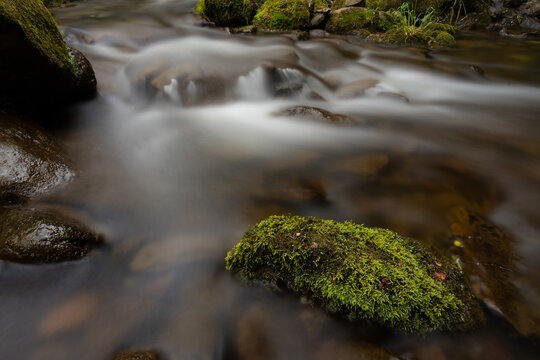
[[35, 65], [283, 15], [357, 271], [415, 36], [357, 20], [38, 236], [228, 12]]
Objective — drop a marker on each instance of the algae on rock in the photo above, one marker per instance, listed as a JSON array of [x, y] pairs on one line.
[[356, 271]]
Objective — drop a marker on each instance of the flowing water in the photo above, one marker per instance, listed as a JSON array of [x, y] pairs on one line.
[[184, 149]]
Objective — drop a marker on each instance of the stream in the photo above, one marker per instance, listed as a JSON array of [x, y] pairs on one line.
[[187, 146]]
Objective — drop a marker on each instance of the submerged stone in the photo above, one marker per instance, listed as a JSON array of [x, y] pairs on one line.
[[136, 355], [32, 164], [35, 64], [39, 236], [316, 114], [359, 272], [490, 260]]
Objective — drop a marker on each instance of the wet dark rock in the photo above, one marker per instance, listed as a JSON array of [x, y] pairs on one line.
[[490, 261], [136, 355], [319, 20], [530, 8], [32, 164], [39, 236], [35, 66], [86, 86], [316, 114]]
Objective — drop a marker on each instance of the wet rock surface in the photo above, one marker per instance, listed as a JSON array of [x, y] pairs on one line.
[[490, 262], [39, 236], [316, 114], [32, 164]]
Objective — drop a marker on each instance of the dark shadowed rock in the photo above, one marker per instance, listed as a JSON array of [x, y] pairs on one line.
[[35, 66], [39, 236], [86, 86], [31, 162]]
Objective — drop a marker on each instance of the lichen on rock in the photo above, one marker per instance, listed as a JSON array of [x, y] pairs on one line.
[[359, 272]]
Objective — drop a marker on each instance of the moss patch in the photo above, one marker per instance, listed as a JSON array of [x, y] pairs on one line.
[[34, 20], [228, 12], [357, 271], [283, 15], [354, 20]]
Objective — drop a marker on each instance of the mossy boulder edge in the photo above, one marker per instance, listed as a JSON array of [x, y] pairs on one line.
[[360, 272], [403, 22], [36, 67]]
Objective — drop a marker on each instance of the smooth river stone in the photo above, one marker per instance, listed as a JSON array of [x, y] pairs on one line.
[[41, 236], [31, 162]]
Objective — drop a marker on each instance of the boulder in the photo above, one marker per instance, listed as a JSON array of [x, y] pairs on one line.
[[283, 15], [32, 164], [35, 65], [37, 236], [359, 272]]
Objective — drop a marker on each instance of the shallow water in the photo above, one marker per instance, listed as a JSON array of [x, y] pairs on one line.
[[173, 181]]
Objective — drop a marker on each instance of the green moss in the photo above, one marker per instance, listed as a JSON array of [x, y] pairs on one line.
[[442, 38], [33, 19], [283, 15], [318, 5], [357, 271], [228, 12], [415, 36], [199, 8], [338, 4], [353, 20]]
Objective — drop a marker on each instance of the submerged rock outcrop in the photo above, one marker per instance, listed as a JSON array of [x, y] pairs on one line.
[[359, 272], [37, 69]]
